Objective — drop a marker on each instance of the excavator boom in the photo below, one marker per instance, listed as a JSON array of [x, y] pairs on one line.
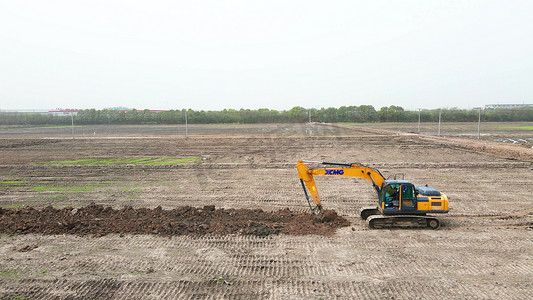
[[348, 170]]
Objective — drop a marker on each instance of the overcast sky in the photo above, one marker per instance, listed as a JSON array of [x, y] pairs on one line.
[[218, 54]]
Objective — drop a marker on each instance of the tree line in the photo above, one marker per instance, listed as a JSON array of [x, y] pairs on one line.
[[298, 114]]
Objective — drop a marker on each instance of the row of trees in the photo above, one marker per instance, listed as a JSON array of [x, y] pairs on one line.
[[359, 114]]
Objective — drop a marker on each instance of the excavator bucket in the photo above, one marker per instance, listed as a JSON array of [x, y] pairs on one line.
[[308, 181]]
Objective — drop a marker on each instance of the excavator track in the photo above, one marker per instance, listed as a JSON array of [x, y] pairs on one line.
[[405, 221], [369, 211]]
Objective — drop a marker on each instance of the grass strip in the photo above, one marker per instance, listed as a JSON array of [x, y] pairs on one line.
[[517, 127], [47, 188], [13, 182]]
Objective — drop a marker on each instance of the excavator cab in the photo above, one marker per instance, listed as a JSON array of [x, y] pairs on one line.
[[397, 196]]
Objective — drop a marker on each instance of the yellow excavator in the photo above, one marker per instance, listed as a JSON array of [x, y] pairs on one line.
[[400, 204]]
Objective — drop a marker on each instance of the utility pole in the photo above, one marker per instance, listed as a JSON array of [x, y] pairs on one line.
[[419, 120], [440, 113], [479, 123], [186, 126], [310, 130], [72, 118]]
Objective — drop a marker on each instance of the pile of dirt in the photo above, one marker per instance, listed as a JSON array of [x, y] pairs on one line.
[[99, 220]]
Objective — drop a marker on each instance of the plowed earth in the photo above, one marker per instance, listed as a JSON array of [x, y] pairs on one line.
[[153, 231], [99, 220]]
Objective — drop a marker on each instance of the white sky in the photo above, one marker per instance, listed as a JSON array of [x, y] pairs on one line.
[[218, 54]]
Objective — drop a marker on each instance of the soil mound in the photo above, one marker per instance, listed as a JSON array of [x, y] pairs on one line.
[[99, 220]]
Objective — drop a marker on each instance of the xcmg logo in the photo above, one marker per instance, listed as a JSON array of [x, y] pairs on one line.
[[334, 172]]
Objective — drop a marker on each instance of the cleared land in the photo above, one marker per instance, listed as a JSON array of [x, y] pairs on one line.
[[483, 249]]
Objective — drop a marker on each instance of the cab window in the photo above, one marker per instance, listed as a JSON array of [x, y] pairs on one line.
[[408, 192]]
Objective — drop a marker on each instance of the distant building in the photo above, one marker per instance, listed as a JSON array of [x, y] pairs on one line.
[[507, 105]]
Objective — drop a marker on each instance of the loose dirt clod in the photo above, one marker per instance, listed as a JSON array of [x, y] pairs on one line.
[[99, 220], [27, 248]]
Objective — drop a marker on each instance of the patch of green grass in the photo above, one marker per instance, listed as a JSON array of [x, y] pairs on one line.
[[516, 127], [125, 161], [13, 182], [129, 188], [174, 161], [9, 273], [132, 191], [47, 188], [15, 206], [44, 188]]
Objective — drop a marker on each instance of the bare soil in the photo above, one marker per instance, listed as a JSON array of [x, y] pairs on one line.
[[98, 220], [244, 183]]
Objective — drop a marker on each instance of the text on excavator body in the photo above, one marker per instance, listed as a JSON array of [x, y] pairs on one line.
[[334, 172]]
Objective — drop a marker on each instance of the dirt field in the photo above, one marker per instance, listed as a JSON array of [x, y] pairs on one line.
[[512, 133], [482, 251]]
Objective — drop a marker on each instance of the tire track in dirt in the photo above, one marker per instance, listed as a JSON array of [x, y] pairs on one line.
[[279, 289], [276, 268]]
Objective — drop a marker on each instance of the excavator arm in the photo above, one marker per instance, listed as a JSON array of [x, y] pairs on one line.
[[344, 170]]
